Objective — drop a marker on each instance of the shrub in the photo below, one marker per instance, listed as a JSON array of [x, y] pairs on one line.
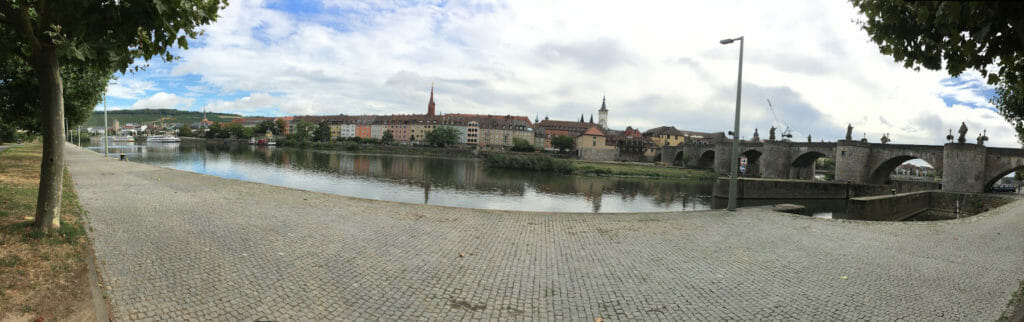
[[528, 162]]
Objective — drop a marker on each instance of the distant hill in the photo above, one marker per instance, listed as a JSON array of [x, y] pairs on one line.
[[149, 116]]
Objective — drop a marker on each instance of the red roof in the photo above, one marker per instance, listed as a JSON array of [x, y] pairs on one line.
[[595, 131]]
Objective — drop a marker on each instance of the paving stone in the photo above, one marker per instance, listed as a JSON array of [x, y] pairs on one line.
[[175, 245]]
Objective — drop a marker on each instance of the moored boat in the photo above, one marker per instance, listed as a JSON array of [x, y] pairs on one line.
[[163, 139]]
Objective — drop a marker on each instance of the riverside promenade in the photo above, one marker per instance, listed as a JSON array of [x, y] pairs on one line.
[[174, 245]]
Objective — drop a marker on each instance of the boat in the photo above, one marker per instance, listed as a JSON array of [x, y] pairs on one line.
[[163, 139], [124, 138]]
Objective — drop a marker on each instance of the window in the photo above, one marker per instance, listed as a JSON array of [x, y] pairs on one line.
[[843, 153]]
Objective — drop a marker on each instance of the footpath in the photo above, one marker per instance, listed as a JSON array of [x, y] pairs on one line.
[[184, 246]]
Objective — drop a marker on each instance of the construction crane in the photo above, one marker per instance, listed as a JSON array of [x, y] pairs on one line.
[[786, 134]]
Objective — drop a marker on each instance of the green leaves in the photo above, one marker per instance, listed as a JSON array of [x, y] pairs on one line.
[[984, 36]]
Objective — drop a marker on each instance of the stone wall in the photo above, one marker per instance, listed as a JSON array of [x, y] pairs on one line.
[[756, 188], [926, 205], [598, 154], [964, 169], [903, 186], [851, 161], [887, 207]]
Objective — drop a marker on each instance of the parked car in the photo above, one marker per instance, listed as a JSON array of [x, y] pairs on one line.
[[1003, 188]]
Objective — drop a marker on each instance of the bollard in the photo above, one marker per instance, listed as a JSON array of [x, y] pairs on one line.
[[122, 156]]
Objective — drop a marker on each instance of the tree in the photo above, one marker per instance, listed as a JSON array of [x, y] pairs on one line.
[[185, 130], [19, 93], [100, 35], [281, 126], [322, 132], [262, 127], [443, 136], [388, 137], [983, 36], [8, 133], [235, 129], [215, 130], [521, 145], [248, 132], [303, 131], [563, 143]]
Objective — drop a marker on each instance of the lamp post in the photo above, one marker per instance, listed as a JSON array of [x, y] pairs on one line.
[[105, 123], [736, 130]]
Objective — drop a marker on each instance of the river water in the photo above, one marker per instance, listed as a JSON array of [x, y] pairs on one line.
[[417, 179]]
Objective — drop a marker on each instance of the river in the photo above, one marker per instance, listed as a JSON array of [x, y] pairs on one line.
[[456, 182]]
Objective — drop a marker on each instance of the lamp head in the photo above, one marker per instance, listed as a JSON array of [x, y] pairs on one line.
[[726, 41]]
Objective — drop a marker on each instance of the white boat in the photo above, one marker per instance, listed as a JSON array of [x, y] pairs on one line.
[[163, 139], [123, 139]]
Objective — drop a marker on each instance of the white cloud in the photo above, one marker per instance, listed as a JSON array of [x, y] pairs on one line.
[[164, 100], [658, 62], [129, 88]]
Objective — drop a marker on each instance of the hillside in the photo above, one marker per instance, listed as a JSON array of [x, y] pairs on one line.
[[147, 116]]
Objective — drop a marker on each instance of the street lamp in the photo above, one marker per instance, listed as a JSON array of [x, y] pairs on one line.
[[736, 130]]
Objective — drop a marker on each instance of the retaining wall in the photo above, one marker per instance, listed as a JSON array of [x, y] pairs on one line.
[[924, 205]]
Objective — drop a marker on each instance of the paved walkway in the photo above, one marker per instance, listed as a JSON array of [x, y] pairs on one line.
[[176, 245]]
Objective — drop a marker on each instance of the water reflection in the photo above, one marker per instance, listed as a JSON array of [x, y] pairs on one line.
[[428, 180]]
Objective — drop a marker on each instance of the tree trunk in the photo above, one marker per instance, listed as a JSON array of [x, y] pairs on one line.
[[51, 176]]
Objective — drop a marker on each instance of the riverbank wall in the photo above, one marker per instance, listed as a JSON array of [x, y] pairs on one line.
[[922, 205], [760, 188]]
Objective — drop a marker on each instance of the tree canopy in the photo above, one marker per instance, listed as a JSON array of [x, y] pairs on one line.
[[98, 36], [322, 132], [443, 136], [956, 35], [303, 131], [563, 143], [19, 93]]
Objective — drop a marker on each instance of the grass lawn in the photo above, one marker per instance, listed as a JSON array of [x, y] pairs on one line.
[[40, 276], [597, 168]]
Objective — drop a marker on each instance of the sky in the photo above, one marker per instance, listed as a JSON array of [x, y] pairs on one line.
[[656, 62]]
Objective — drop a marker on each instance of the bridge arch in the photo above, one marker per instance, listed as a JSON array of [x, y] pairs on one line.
[[753, 162], [803, 166], [679, 159], [999, 164], [999, 175], [706, 160], [881, 173]]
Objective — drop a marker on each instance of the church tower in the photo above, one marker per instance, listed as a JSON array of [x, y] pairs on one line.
[[430, 105], [602, 115]]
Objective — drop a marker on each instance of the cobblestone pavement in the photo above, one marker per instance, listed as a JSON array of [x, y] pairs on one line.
[[175, 245]]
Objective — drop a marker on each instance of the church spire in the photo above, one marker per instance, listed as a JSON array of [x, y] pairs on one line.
[[430, 105], [591, 118], [581, 117], [603, 107]]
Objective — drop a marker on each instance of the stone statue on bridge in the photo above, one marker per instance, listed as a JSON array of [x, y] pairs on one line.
[[950, 136], [771, 134], [865, 138], [982, 137], [963, 133], [885, 138], [849, 132], [808, 138], [757, 138]]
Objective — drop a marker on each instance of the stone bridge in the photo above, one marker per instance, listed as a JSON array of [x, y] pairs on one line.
[[964, 167]]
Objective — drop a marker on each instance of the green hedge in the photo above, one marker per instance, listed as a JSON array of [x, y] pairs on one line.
[[528, 162]]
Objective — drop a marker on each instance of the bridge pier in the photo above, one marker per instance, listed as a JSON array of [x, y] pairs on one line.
[[852, 161], [964, 168], [775, 160]]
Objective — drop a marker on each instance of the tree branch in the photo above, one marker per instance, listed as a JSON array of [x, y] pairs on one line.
[[7, 11]]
